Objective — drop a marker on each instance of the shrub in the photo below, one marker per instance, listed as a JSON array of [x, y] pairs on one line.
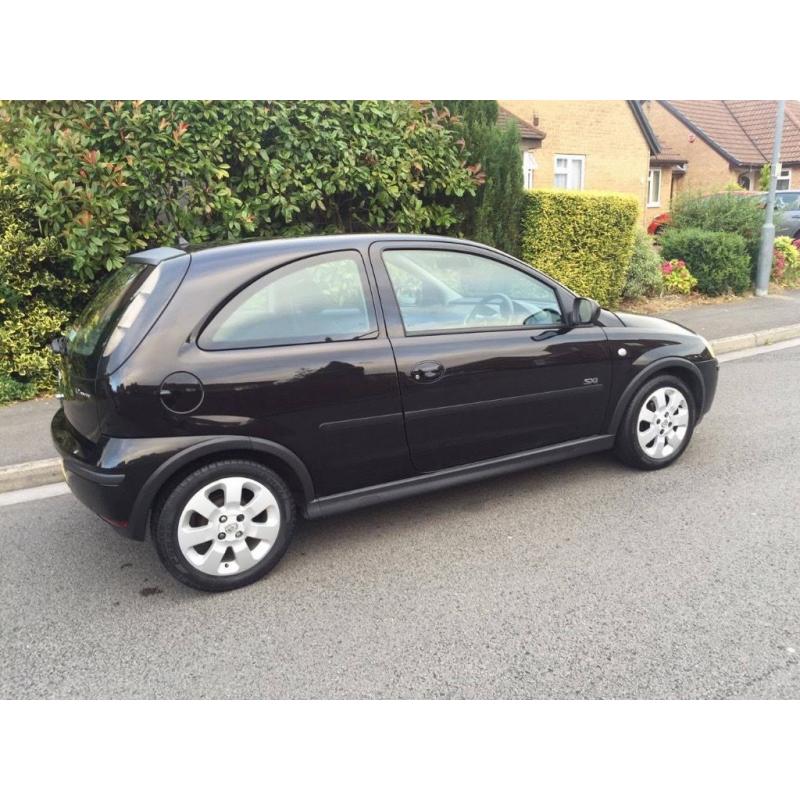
[[36, 295], [492, 215], [719, 261], [786, 261], [106, 178], [12, 390], [583, 239], [729, 212], [644, 278], [677, 278]]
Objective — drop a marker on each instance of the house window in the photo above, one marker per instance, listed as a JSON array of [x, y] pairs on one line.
[[528, 166], [654, 188], [784, 179], [568, 173], [744, 181]]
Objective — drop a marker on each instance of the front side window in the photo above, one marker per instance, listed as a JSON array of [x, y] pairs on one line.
[[784, 179], [568, 173], [654, 188], [440, 290], [320, 299]]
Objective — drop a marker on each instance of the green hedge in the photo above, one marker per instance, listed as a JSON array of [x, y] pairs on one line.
[[583, 239], [720, 261]]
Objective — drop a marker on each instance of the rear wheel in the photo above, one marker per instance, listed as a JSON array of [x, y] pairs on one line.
[[658, 424], [224, 525]]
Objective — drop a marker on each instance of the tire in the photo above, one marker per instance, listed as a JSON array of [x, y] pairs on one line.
[[225, 525], [658, 424]]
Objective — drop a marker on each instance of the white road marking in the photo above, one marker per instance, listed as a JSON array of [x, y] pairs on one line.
[[36, 493], [757, 351]]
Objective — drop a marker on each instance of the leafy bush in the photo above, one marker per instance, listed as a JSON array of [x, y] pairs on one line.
[[718, 260], [786, 261], [583, 239], [677, 278], [106, 178], [12, 390], [90, 182], [729, 212], [36, 296], [492, 214], [644, 278]]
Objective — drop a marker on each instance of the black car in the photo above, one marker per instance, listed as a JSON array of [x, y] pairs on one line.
[[210, 393]]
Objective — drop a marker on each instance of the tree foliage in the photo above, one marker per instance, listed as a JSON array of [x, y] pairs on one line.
[[493, 214], [36, 294], [106, 178]]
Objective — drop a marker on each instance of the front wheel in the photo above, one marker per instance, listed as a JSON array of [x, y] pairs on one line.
[[224, 525], [658, 424]]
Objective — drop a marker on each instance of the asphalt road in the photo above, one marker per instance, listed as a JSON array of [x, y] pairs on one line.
[[580, 580]]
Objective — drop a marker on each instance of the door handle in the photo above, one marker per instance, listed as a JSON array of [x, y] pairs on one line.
[[427, 371]]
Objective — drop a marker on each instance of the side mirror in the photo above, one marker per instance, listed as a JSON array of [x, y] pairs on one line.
[[585, 311]]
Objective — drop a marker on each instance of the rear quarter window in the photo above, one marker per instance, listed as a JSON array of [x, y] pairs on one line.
[[320, 299]]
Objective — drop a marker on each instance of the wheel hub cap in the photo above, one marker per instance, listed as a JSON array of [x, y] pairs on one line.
[[663, 422], [229, 526]]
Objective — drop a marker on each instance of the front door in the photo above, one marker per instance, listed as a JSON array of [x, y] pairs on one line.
[[487, 363]]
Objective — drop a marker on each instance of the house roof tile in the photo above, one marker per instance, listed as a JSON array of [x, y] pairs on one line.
[[742, 130], [526, 130]]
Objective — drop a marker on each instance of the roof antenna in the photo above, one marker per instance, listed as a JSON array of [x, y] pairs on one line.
[[182, 243]]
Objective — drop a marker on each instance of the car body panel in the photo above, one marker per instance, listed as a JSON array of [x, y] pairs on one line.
[[342, 420]]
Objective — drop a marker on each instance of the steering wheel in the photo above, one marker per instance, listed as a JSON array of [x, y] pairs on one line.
[[483, 311]]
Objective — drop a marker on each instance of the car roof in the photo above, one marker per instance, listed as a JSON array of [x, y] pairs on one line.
[[303, 245]]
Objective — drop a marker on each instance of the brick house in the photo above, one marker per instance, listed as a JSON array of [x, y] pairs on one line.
[[606, 145], [724, 142]]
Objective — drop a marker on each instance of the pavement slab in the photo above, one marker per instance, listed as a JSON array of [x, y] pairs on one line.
[[740, 316]]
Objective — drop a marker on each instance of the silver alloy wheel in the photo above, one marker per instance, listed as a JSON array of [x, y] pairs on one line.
[[663, 422], [229, 526]]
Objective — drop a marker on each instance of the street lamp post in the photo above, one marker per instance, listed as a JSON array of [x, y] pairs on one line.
[[768, 230]]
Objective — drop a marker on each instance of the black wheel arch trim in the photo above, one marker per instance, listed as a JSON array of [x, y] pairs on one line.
[[650, 371], [147, 494]]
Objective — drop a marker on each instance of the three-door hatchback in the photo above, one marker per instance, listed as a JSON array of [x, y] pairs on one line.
[[210, 393]]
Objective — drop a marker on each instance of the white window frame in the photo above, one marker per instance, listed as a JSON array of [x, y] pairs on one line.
[[569, 158], [785, 174], [529, 166], [651, 203]]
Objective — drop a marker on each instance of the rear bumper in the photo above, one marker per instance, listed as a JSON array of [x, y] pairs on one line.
[[107, 492], [119, 479]]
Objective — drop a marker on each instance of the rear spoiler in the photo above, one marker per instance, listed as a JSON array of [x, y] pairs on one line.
[[156, 255]]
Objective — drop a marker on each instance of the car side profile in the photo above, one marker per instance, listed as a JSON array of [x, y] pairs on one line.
[[209, 394]]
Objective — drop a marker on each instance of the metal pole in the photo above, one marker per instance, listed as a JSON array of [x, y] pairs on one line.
[[768, 230]]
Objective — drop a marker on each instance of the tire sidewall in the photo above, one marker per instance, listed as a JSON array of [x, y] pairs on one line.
[[165, 526], [632, 420]]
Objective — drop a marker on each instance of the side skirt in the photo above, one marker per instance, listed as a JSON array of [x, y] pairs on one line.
[[455, 476]]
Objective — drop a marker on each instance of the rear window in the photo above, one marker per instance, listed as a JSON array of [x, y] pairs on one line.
[[92, 327]]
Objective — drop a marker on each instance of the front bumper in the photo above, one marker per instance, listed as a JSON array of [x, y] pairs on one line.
[[709, 371]]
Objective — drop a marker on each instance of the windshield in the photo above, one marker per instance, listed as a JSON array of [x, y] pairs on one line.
[[93, 325]]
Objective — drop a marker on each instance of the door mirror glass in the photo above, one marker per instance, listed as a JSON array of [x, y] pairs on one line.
[[585, 311]]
